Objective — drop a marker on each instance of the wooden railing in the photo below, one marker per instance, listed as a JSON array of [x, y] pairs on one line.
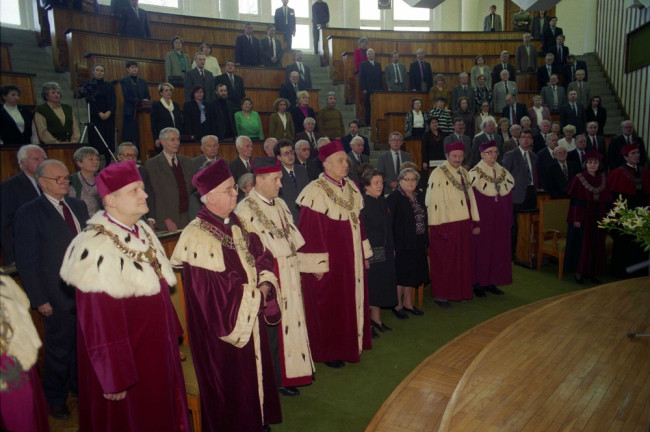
[[24, 81]]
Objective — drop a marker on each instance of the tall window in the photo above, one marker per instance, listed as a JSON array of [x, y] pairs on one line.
[[248, 7], [10, 12], [301, 7], [368, 10]]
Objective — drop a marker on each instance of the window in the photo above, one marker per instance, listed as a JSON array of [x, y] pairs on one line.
[[413, 29], [370, 28], [10, 12], [303, 37], [369, 10], [248, 7], [301, 7], [403, 12], [165, 3]]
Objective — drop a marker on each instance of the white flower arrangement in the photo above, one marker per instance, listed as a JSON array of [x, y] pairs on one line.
[[635, 222]]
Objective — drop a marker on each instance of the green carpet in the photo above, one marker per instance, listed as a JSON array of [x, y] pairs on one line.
[[345, 400]]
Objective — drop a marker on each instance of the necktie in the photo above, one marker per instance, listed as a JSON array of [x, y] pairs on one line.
[[593, 143], [513, 118], [528, 168], [548, 70], [137, 14], [397, 162], [359, 158], [248, 166], [202, 110], [69, 219], [398, 76], [492, 21], [302, 71], [565, 171], [311, 139], [505, 85], [286, 15], [293, 178], [250, 40], [174, 162], [555, 102], [421, 70], [581, 153], [295, 88], [627, 138], [202, 75]]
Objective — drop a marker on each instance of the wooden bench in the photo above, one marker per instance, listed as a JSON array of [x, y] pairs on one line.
[[24, 81]]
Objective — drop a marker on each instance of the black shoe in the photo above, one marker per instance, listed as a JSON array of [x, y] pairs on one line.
[[415, 311], [289, 391], [493, 289], [381, 327], [401, 314], [266, 428], [336, 364], [374, 333], [478, 291], [579, 279], [60, 412], [442, 304]]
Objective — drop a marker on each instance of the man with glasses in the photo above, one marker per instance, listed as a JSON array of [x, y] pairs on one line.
[[45, 227], [294, 176], [303, 153], [390, 161], [230, 295]]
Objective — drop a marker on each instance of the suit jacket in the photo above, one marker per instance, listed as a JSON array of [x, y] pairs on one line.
[[386, 164], [451, 138], [299, 117], [586, 92], [290, 190], [556, 182], [389, 75], [614, 156], [266, 52], [192, 120], [247, 53], [160, 118], [370, 76], [193, 78], [569, 116], [10, 135], [418, 81], [132, 25], [544, 161], [549, 38], [313, 166], [520, 111], [164, 186], [543, 76], [287, 91], [237, 168], [498, 26], [313, 153], [278, 130], [498, 68], [236, 93], [346, 144], [480, 139], [600, 146], [306, 81], [568, 71], [458, 92], [546, 115], [132, 94], [522, 59], [44, 237], [499, 95], [354, 167], [279, 19], [561, 53], [173, 66], [198, 162], [547, 98], [514, 162], [15, 192], [574, 156], [222, 119]]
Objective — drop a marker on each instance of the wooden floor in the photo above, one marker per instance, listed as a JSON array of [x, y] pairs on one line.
[[562, 364]]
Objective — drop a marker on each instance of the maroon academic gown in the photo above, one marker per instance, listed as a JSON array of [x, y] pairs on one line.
[[227, 375], [130, 344]]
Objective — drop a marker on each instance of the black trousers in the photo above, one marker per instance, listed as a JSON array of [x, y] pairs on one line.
[[274, 345], [60, 374]]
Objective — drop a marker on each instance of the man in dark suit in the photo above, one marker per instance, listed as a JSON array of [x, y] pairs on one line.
[[545, 71], [573, 113], [134, 22], [549, 35], [369, 79], [489, 127], [595, 141], [234, 83], [221, 115], [614, 155], [320, 18], [559, 174], [545, 158], [539, 139], [458, 134], [247, 48], [303, 70], [570, 69], [289, 89], [309, 124], [501, 66], [209, 151], [390, 161], [579, 153], [354, 131], [420, 73], [294, 176], [45, 227], [313, 166], [356, 158], [134, 90], [462, 89], [16, 191], [242, 163], [171, 178], [201, 77], [285, 23], [514, 111], [271, 49], [560, 50]]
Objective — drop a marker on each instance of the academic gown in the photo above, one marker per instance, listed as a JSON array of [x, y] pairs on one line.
[[225, 320], [336, 307]]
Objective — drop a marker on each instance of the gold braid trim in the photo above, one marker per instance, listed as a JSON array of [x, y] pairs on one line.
[[284, 233], [346, 204], [458, 185], [227, 241], [590, 188], [490, 179]]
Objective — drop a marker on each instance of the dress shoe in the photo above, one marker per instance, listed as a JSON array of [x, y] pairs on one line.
[[60, 412], [289, 391], [580, 279], [336, 364], [478, 291], [374, 333], [381, 327], [415, 311], [442, 304], [494, 290], [401, 314]]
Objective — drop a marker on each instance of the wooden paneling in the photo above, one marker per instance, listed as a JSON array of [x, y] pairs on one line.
[[5, 57], [385, 101], [25, 82], [61, 152]]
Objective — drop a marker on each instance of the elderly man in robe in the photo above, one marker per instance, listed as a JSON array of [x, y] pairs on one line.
[[492, 185], [453, 218], [268, 216], [230, 295], [334, 262], [130, 374]]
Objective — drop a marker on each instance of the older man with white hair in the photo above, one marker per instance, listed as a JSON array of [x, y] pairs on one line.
[[242, 163], [489, 127], [502, 88], [209, 152]]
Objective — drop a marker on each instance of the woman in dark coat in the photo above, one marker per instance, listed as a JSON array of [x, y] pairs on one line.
[[432, 144], [102, 114], [301, 111], [193, 122], [16, 121], [378, 224], [595, 112], [411, 239], [164, 113]]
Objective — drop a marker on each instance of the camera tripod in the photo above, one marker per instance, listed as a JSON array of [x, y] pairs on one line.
[[88, 124]]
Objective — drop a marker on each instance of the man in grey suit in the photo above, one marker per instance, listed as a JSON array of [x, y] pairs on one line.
[[271, 49], [492, 22], [462, 89], [581, 87], [294, 176], [242, 163], [304, 73], [369, 79], [501, 89], [171, 179], [458, 135], [209, 151], [356, 158], [526, 56], [201, 77], [553, 95], [489, 127], [390, 161], [395, 74]]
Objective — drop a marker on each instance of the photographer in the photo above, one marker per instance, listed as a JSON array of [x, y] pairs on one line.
[[100, 94]]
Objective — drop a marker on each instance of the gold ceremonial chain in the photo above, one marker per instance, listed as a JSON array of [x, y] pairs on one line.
[[497, 181], [276, 232], [145, 257], [229, 242], [590, 188], [455, 182], [348, 205], [6, 331]]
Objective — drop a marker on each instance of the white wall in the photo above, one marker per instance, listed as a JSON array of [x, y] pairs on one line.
[[577, 19]]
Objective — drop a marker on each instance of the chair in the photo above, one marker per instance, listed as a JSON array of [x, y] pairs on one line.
[[552, 231], [420, 291]]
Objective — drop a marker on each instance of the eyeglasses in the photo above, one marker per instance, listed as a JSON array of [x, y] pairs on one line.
[[410, 179], [128, 155], [58, 180], [288, 153], [228, 190]]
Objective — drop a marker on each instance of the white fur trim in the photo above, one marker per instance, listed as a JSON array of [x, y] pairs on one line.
[[198, 248], [314, 262]]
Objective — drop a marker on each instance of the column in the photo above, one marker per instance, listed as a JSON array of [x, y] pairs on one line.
[[450, 13], [229, 9]]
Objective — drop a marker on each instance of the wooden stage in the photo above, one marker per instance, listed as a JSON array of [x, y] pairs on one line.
[[560, 364]]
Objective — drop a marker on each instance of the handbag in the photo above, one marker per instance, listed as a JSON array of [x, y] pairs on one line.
[[378, 255]]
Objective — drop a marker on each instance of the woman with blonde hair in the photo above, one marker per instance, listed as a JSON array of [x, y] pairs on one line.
[[281, 122], [164, 113]]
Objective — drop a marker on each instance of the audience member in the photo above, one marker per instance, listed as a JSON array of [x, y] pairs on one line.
[[390, 161], [290, 89], [420, 74], [546, 71], [521, 21], [356, 158], [627, 137], [483, 113], [559, 174], [15, 120], [501, 66], [561, 52], [433, 148], [462, 90], [442, 114], [294, 176], [285, 23], [242, 163], [458, 135], [320, 18], [526, 56], [304, 73], [501, 90], [503, 126], [395, 74], [453, 218], [201, 77], [573, 113], [480, 68], [513, 110], [538, 113], [102, 114], [16, 191], [303, 153], [177, 62], [221, 115], [234, 83], [570, 69], [581, 87], [353, 128], [513, 141], [125, 314], [82, 184], [195, 114], [553, 95], [482, 93], [209, 153], [45, 227], [271, 49], [269, 145], [466, 114], [164, 113], [248, 122], [134, 22], [301, 111], [596, 142], [556, 128], [539, 139], [439, 90], [134, 92], [369, 80], [416, 120], [545, 158], [594, 111], [492, 22], [330, 119], [211, 62], [245, 185], [308, 134], [55, 122], [488, 126], [247, 48], [540, 23], [567, 140], [360, 53], [549, 35], [127, 151], [171, 175], [280, 122]]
